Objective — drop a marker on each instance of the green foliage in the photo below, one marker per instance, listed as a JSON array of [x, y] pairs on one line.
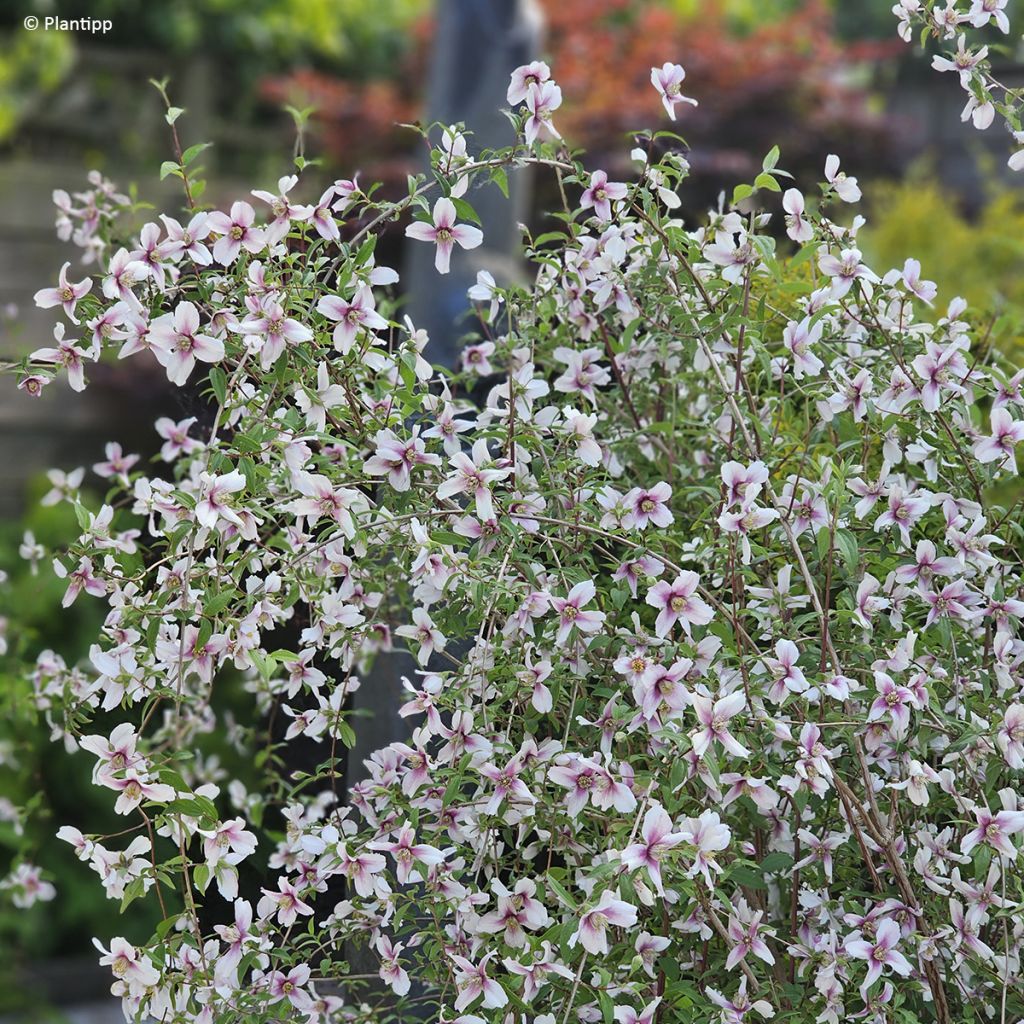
[[32, 65], [978, 258], [262, 34]]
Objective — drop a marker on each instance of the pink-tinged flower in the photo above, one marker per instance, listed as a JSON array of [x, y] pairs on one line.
[[953, 601], [744, 523], [798, 338], [361, 870], [903, 512], [524, 78], [844, 269], [282, 208], [746, 938], [425, 633], [65, 294], [33, 383], [471, 477], [507, 784], [799, 229], [1010, 737], [216, 498], [117, 464], [229, 842], [133, 789], [79, 579], [358, 314], [237, 233], [924, 290], [270, 330], [678, 602], [124, 274], [820, 851], [68, 355], [391, 970], [879, 954], [983, 11], [661, 690], [187, 240], [963, 61], [486, 290], [637, 568], [408, 853], [471, 982], [591, 932], [578, 428], [177, 343], [541, 101], [648, 506], [445, 233], [648, 1015], [657, 839], [571, 613], [966, 928], [577, 775], [668, 80], [128, 965], [176, 439], [115, 753], [26, 886], [743, 483], [290, 986], [708, 836], [286, 904], [846, 187], [737, 1009], [787, 677], [940, 367], [927, 565], [476, 358], [517, 909], [648, 947], [600, 195], [535, 974], [868, 605], [713, 719], [237, 938], [999, 447], [994, 830], [315, 401], [533, 676], [892, 700], [395, 458], [322, 499]]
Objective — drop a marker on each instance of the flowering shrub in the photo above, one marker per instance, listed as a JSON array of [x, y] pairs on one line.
[[719, 711], [986, 94]]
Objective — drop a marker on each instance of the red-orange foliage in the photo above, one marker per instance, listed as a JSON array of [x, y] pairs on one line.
[[785, 81]]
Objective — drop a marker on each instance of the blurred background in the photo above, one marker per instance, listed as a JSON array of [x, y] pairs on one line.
[[813, 76]]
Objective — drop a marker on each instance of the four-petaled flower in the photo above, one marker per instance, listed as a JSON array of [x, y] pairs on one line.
[[445, 233]]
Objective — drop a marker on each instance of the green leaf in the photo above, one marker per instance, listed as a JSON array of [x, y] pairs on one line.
[[500, 178], [173, 113], [193, 151], [465, 211], [776, 862], [169, 167], [560, 891], [771, 160], [766, 181], [741, 192], [219, 383], [847, 544]]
